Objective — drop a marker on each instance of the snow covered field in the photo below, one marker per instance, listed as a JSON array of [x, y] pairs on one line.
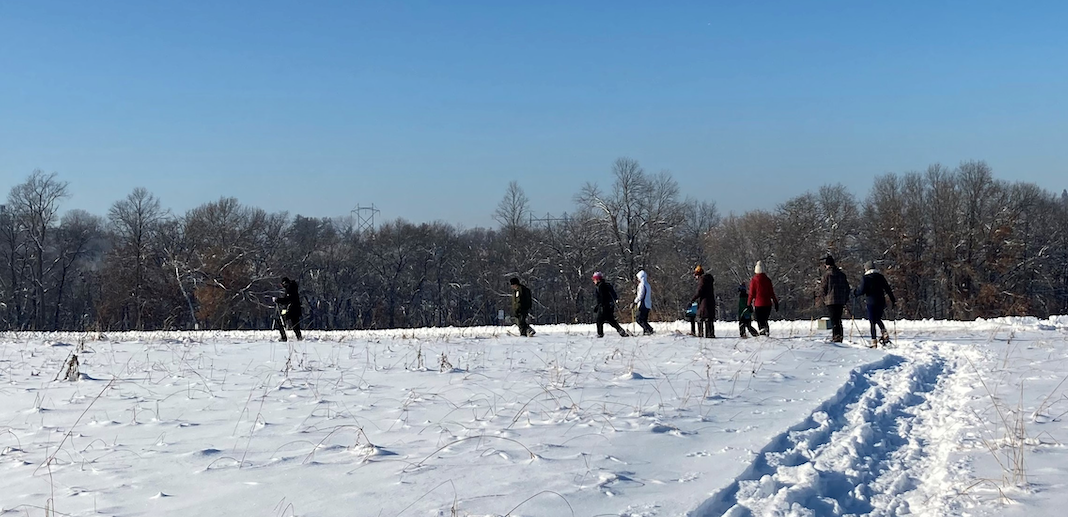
[[957, 418]]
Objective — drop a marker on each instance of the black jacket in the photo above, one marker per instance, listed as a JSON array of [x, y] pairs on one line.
[[876, 288], [606, 297], [289, 302], [705, 297], [521, 301]]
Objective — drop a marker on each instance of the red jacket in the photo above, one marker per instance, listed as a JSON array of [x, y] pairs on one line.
[[761, 293]]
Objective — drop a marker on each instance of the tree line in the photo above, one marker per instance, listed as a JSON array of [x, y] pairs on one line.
[[954, 243]]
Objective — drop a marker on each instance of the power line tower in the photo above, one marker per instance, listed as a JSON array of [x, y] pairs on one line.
[[548, 220], [365, 217]]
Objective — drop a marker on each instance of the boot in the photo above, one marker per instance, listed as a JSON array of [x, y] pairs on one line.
[[885, 338], [874, 343]]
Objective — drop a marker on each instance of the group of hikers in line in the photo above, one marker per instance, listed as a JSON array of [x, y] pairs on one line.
[[754, 302], [873, 286]]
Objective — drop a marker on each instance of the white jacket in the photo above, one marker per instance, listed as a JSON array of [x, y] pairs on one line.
[[645, 293]]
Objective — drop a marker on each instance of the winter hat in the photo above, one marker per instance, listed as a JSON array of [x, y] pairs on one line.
[[869, 265], [285, 280], [597, 275], [829, 260], [759, 268], [514, 281]]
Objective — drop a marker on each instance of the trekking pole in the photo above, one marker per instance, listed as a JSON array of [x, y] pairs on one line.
[[853, 318], [855, 326], [895, 323]]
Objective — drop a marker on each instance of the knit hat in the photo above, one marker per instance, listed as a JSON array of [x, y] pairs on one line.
[[869, 265], [597, 275], [759, 268], [829, 260], [514, 281]]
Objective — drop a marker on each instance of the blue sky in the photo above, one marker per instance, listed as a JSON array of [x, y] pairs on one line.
[[429, 109]]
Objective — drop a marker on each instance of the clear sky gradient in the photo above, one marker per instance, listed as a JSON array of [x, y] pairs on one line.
[[428, 109]]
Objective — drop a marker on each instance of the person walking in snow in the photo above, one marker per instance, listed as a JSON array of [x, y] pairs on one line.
[[288, 307], [745, 313], [643, 300], [521, 304], [875, 288], [706, 302], [834, 290], [606, 305], [762, 298]]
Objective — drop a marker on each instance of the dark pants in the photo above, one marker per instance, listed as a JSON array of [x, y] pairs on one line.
[[693, 323], [835, 313], [875, 316], [761, 314], [643, 320], [746, 324], [608, 317], [706, 327], [524, 327], [292, 322]]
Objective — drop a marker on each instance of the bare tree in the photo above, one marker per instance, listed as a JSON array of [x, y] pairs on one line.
[[34, 206], [136, 222], [79, 238], [803, 238], [635, 216], [839, 213], [179, 258], [232, 248], [12, 249], [513, 211], [943, 204]]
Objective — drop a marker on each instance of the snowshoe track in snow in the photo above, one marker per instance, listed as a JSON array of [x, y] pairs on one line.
[[859, 453]]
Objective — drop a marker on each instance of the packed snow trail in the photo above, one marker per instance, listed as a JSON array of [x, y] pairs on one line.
[[859, 453]]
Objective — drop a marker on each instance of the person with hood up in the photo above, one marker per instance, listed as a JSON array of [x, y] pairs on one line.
[[706, 302], [606, 305], [288, 306], [762, 298], [875, 287], [643, 300], [745, 313], [834, 290], [521, 304]]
